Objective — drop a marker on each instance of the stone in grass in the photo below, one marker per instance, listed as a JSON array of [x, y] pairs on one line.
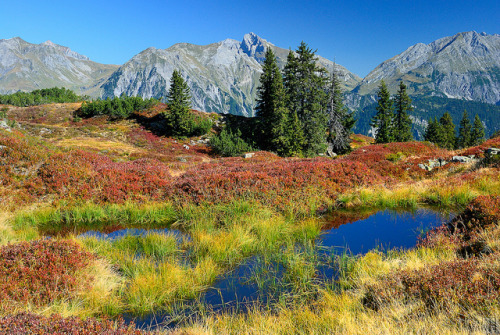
[[461, 159], [4, 125], [492, 151], [433, 163], [248, 155]]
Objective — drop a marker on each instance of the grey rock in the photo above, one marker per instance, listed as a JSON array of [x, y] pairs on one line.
[[463, 66], [461, 159], [26, 67], [329, 151], [223, 77], [44, 131], [492, 151], [432, 164], [248, 155], [186, 147], [4, 125]]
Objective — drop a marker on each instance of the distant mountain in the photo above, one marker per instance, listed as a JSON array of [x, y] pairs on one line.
[[26, 67], [223, 76], [463, 66]]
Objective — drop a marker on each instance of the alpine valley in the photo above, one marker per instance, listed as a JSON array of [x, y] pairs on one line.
[[452, 73]]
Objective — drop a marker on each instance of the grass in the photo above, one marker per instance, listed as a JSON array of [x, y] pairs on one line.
[[89, 216], [455, 193], [155, 272], [261, 214]]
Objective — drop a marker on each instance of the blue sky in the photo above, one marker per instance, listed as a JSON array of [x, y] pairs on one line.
[[358, 34]]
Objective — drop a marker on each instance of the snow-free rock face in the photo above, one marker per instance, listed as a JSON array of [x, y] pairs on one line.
[[223, 77], [25, 66], [463, 66]]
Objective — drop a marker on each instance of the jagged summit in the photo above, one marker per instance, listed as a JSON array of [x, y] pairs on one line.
[[26, 66], [464, 65], [223, 77], [254, 46]]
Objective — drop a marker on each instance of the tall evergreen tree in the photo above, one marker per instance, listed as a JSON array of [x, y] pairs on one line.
[[464, 132], [433, 131], [477, 133], [402, 122], [340, 121], [179, 105], [270, 107], [306, 86], [382, 121], [446, 133], [293, 142]]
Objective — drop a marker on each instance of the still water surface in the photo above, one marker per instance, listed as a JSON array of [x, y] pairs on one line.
[[350, 233]]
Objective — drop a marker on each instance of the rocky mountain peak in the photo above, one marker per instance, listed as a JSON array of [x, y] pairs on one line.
[[254, 46], [49, 43], [464, 65]]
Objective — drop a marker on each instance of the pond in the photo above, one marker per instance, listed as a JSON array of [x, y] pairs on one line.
[[258, 280], [356, 233], [113, 235]]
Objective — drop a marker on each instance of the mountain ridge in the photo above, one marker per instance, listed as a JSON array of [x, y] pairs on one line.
[[465, 65], [224, 76], [26, 66]]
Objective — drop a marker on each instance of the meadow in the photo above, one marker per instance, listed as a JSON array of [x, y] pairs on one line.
[[206, 216]]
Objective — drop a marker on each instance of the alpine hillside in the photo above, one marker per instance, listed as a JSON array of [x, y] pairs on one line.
[[26, 67], [223, 77], [463, 66]]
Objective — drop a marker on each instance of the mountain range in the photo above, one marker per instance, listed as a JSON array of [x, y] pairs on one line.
[[224, 76]]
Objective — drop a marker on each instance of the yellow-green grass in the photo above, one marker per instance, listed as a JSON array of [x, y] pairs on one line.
[[342, 311], [90, 216], [455, 193], [160, 271]]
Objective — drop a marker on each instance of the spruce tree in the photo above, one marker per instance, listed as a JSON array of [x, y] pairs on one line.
[[270, 109], [306, 86], [340, 121], [402, 122], [464, 132], [179, 105], [293, 143], [477, 133], [432, 131], [446, 135], [382, 121]]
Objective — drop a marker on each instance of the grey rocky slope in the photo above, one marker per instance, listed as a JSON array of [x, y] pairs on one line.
[[223, 77], [463, 66], [26, 67]]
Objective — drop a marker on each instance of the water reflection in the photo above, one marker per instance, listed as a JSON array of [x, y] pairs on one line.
[[259, 280]]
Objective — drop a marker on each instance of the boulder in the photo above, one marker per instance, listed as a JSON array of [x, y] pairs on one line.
[[461, 159], [248, 155], [433, 163], [4, 125], [330, 152], [492, 151]]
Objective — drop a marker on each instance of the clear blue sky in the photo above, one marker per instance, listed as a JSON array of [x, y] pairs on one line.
[[358, 34]]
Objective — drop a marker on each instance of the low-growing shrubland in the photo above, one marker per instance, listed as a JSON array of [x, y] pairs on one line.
[[216, 215]]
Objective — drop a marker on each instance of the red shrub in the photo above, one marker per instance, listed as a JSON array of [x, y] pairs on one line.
[[27, 323], [467, 282], [481, 212], [40, 272]]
